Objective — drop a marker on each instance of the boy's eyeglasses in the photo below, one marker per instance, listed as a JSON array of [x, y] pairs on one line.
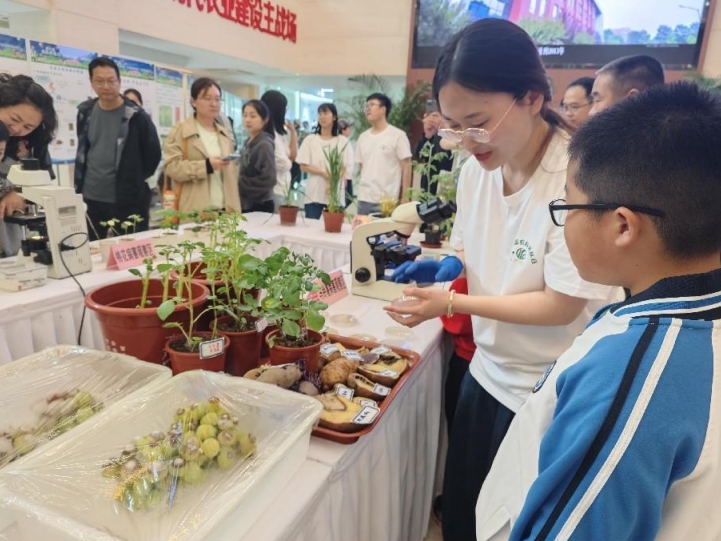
[[574, 107], [477, 135], [559, 210]]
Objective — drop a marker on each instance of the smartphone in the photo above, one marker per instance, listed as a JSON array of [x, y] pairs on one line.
[[231, 157], [431, 106]]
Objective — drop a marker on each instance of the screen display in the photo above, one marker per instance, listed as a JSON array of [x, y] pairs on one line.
[[574, 33]]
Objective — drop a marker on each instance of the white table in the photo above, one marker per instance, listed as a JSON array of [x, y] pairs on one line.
[[380, 488]]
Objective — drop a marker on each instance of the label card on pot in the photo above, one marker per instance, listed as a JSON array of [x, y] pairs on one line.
[[211, 348], [261, 325], [130, 254]]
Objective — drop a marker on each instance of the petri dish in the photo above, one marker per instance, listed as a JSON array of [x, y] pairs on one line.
[[396, 343], [405, 302], [343, 320], [365, 337], [399, 332]]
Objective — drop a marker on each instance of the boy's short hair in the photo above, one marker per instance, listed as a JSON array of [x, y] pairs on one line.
[[4, 133], [659, 149], [638, 71], [384, 100]]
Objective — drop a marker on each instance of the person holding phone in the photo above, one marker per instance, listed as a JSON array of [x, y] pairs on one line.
[[199, 155]]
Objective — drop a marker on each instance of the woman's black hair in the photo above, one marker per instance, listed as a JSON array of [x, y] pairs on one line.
[[201, 85], [332, 108], [495, 55], [584, 82], [19, 89], [137, 95], [277, 104], [262, 110], [4, 133]]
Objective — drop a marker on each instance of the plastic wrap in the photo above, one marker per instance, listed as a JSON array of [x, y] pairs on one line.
[[48, 393], [64, 495]]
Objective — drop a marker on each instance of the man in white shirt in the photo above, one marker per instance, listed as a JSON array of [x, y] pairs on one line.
[[383, 154]]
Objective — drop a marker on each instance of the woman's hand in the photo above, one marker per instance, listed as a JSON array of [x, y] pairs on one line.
[[290, 126], [217, 163], [433, 303]]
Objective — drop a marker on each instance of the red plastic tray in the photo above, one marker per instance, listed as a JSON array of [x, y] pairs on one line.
[[352, 343]]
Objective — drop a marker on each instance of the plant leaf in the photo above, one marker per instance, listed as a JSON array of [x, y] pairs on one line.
[[165, 309], [315, 320], [290, 328]]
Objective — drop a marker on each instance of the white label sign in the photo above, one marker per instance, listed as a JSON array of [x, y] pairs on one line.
[[352, 355], [345, 392], [381, 390], [381, 350], [211, 348], [328, 349], [388, 374], [261, 325], [368, 402], [366, 416]]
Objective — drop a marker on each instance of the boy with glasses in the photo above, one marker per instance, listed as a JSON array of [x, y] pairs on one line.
[[383, 154], [118, 148], [619, 439]]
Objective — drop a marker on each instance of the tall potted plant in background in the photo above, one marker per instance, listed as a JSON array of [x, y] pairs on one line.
[[288, 212], [291, 277], [333, 216]]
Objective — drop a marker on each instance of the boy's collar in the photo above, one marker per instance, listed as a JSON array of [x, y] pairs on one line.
[[697, 296]]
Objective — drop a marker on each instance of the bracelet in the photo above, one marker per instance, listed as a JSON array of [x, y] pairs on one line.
[[451, 296]]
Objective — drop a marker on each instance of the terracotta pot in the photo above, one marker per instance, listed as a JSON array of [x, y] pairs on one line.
[[181, 361], [264, 348], [288, 214], [284, 355], [333, 221], [244, 352], [135, 331]]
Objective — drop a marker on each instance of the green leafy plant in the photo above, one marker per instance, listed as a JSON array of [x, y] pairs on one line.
[[335, 168], [184, 295], [110, 224], [291, 277], [131, 222]]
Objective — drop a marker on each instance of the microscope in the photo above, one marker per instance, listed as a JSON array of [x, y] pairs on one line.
[[379, 246], [55, 232]]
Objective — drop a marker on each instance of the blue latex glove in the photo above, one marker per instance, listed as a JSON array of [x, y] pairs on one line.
[[429, 271]]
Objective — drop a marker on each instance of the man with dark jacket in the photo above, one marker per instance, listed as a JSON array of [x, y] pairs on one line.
[[118, 148]]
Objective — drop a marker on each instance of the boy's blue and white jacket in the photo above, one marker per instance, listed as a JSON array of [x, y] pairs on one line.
[[620, 439]]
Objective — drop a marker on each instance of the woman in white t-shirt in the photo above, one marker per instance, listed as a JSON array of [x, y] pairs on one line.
[[312, 160], [286, 143], [526, 298]]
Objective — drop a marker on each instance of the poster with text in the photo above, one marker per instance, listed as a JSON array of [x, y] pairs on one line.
[[63, 72], [139, 76], [13, 55], [169, 93]]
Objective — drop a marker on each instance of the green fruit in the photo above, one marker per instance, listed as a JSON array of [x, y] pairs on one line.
[[143, 441], [227, 438], [215, 405], [225, 422], [211, 447], [194, 474], [226, 458], [198, 410], [246, 442], [210, 419], [112, 469], [206, 431], [83, 415], [83, 400]]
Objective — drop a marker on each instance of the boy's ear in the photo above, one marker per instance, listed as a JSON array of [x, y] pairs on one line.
[[627, 227], [632, 92]]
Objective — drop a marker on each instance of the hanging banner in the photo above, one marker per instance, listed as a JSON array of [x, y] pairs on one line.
[[169, 93], [139, 76], [13, 55], [63, 72]]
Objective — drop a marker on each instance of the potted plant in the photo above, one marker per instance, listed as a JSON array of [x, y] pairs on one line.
[[111, 238], [191, 349], [130, 223], [127, 311], [168, 228], [288, 212], [291, 277], [334, 214]]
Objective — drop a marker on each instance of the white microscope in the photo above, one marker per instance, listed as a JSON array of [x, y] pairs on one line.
[[381, 245], [55, 232]]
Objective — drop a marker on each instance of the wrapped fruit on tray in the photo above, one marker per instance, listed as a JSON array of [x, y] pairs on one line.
[[203, 436]]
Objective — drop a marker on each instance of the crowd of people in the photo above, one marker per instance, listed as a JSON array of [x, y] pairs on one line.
[[586, 277]]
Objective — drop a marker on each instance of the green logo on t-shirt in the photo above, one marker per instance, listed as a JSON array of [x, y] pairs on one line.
[[522, 252]]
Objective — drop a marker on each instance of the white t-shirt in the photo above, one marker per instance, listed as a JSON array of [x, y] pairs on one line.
[[282, 163], [211, 142], [311, 153], [512, 246], [380, 156]]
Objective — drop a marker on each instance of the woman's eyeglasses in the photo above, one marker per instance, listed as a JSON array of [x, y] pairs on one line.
[[477, 135], [559, 209]]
